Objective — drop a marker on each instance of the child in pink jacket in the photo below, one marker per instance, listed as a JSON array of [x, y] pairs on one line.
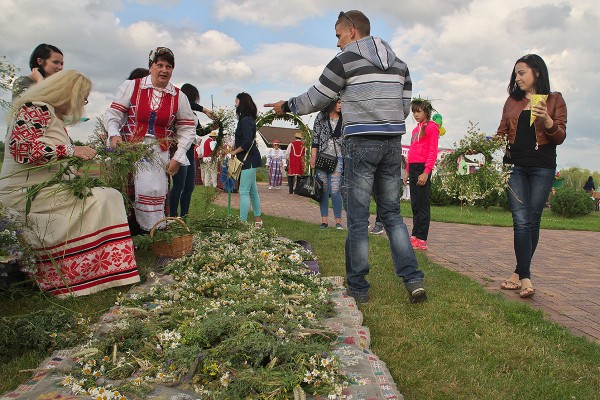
[[421, 160]]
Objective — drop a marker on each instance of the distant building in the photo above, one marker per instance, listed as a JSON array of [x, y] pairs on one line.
[[284, 135]]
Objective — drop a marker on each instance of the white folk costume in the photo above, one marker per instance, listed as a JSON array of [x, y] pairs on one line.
[[142, 111], [276, 161], [209, 164], [82, 245]]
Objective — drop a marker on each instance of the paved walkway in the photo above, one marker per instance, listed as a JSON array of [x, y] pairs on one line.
[[565, 274]]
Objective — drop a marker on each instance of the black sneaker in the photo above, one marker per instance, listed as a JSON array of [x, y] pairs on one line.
[[323, 226], [377, 229], [416, 292], [359, 297]]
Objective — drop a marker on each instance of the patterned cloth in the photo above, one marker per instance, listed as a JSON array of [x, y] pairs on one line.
[[82, 245], [275, 162]]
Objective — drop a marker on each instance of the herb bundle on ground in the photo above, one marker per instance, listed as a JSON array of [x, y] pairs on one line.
[[239, 317]]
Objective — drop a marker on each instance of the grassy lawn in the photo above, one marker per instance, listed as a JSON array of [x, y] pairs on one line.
[[497, 216], [464, 343]]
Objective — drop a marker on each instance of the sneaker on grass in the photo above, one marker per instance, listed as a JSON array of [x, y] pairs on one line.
[[416, 291], [323, 226], [359, 297], [377, 229]]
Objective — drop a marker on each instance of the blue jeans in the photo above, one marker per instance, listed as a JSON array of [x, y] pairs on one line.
[[528, 191], [248, 194], [332, 187], [183, 186], [373, 166]]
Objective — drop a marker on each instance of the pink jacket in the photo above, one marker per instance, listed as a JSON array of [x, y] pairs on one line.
[[425, 149]]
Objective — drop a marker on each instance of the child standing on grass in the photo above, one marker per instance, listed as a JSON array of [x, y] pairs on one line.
[[422, 155]]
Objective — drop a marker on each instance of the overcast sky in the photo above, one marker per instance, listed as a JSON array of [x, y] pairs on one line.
[[460, 53]]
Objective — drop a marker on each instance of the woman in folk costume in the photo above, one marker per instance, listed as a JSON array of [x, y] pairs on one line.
[[149, 109], [82, 246], [295, 157], [275, 163], [209, 163]]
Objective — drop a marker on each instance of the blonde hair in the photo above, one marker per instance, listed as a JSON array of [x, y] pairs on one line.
[[66, 91]]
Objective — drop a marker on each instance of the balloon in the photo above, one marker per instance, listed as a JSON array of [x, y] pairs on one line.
[[442, 131], [437, 118]]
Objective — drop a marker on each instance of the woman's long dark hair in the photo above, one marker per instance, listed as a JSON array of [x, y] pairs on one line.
[[191, 92], [43, 51], [540, 73], [246, 106]]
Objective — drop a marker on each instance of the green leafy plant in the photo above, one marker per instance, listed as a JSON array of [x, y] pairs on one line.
[[489, 180], [571, 202]]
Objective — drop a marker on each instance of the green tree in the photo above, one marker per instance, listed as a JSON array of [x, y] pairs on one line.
[[576, 177]]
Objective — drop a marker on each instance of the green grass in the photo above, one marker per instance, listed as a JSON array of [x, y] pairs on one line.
[[464, 343], [497, 216]]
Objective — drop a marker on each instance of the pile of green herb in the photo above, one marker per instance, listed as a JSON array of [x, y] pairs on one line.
[[239, 318]]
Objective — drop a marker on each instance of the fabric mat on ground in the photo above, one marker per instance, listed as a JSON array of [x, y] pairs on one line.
[[372, 379]]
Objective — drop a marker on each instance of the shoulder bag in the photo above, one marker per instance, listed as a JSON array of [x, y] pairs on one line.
[[234, 166], [327, 162]]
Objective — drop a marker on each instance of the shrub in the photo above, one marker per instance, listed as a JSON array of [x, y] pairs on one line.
[[438, 196], [571, 202]]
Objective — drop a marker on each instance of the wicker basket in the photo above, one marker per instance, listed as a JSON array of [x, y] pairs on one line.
[[179, 246]]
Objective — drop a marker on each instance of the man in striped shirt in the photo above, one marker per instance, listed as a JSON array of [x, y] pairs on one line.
[[375, 88]]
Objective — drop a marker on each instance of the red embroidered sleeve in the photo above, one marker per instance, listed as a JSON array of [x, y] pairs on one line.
[[24, 144]]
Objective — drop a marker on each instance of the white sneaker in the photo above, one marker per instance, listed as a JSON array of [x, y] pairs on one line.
[[270, 187]]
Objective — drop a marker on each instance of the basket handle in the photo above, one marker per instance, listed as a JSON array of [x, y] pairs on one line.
[[168, 219]]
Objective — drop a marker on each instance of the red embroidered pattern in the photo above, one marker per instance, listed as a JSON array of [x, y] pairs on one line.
[[109, 262], [30, 124], [61, 151]]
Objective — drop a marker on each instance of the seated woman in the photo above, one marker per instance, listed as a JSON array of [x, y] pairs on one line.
[[82, 245]]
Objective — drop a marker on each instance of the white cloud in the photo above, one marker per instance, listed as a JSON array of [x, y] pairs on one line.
[[460, 52]]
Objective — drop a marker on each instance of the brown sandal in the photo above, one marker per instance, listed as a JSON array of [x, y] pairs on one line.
[[510, 285], [527, 292]]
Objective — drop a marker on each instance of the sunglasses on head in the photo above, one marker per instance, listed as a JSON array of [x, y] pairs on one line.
[[343, 14]]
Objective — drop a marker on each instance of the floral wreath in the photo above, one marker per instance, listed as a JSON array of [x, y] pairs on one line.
[[426, 103], [492, 177], [307, 135]]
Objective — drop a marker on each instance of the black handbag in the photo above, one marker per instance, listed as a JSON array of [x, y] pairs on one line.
[[326, 162], [309, 186]]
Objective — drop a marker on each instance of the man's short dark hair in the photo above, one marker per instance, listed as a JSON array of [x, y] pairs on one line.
[[356, 19]]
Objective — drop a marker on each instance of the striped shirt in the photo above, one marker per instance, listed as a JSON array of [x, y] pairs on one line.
[[374, 85]]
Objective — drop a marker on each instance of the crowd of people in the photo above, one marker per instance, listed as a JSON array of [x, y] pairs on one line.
[[363, 98]]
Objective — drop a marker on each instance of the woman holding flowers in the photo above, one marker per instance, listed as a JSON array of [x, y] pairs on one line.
[[82, 244], [152, 110], [533, 128], [245, 143]]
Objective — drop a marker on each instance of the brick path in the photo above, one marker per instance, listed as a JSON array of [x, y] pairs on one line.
[[566, 277]]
